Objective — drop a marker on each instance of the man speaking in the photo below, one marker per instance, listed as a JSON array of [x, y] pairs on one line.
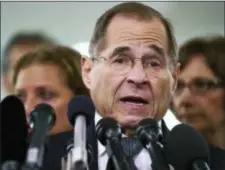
[[132, 73]]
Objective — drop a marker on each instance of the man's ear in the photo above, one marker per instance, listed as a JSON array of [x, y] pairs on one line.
[[86, 66], [176, 72]]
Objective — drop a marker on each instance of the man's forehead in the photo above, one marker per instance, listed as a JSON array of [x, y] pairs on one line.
[[138, 48], [127, 32]]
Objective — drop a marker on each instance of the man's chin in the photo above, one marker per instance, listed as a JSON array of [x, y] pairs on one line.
[[130, 121]]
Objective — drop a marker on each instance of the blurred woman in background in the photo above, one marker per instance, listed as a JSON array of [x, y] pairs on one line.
[[50, 74], [199, 99]]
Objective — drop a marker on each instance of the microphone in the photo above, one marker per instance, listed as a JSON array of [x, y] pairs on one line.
[[14, 132], [68, 158], [70, 148], [109, 134], [148, 134], [186, 149], [80, 114], [42, 119]]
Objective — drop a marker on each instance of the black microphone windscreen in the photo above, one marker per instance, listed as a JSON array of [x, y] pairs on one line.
[[105, 125], [81, 105], [14, 130], [42, 118], [148, 124], [147, 131], [184, 146], [43, 111]]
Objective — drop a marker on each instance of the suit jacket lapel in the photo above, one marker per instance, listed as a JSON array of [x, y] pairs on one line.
[[165, 132], [92, 141], [161, 161]]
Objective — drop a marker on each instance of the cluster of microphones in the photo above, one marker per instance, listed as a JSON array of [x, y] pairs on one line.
[[184, 149]]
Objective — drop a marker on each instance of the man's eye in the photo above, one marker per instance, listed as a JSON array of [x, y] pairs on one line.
[[155, 64], [121, 59], [152, 63]]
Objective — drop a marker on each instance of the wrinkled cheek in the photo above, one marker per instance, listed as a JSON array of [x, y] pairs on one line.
[[100, 94], [95, 84], [167, 86], [110, 85]]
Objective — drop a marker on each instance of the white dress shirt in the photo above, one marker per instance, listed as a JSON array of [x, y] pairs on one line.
[[170, 119], [142, 160]]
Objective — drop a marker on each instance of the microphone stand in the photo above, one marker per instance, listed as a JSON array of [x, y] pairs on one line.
[[114, 151], [10, 165], [148, 134], [34, 159], [109, 134], [150, 148]]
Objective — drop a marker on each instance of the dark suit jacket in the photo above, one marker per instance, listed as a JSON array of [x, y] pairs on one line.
[[92, 140]]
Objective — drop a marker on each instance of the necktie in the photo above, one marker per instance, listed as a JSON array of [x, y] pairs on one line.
[[131, 146]]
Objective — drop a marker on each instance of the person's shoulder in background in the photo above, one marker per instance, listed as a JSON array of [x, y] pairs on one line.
[[217, 158]]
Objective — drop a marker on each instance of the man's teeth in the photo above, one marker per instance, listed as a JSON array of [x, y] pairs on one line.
[[141, 104]]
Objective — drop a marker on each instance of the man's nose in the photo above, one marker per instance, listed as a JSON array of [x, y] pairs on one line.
[[137, 74]]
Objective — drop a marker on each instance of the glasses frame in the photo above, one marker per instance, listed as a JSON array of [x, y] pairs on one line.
[[209, 86]]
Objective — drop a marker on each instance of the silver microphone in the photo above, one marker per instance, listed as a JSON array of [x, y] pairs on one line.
[[79, 153], [80, 114], [67, 160]]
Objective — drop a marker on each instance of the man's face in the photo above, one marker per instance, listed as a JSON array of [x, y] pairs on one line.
[[142, 91], [203, 108]]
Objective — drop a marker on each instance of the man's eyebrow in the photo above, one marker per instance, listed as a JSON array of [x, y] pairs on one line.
[[120, 50], [158, 49]]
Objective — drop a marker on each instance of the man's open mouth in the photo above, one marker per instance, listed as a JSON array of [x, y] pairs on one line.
[[134, 100]]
